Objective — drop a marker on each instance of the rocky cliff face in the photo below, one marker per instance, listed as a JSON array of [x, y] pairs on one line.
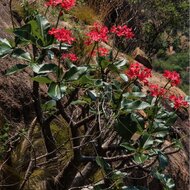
[[15, 90]]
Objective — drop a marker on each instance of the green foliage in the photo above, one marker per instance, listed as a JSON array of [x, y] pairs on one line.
[[165, 180], [56, 91], [178, 62], [169, 17], [15, 68], [5, 47], [74, 73]]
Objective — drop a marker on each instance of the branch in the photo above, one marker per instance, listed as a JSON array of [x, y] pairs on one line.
[[108, 159], [51, 118], [71, 97], [63, 113], [172, 152], [83, 175], [27, 174], [84, 121], [47, 162]]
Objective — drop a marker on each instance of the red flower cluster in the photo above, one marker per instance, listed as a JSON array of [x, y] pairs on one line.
[[65, 4], [62, 35], [178, 101], [98, 33], [123, 31], [173, 77], [70, 56], [137, 70], [103, 51], [53, 2], [156, 91], [68, 4]]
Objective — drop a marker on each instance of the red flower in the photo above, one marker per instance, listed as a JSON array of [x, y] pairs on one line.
[[173, 77], [70, 56], [178, 101], [98, 33], [123, 31], [65, 4], [68, 4], [156, 91], [62, 35], [53, 2], [137, 70], [103, 51]]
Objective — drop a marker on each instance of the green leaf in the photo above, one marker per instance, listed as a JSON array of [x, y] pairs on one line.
[[79, 102], [5, 47], [36, 67], [104, 63], [168, 117], [35, 30], [49, 105], [39, 28], [146, 141], [178, 143], [118, 65], [47, 68], [43, 24], [44, 68], [159, 127], [125, 126], [128, 146], [163, 160], [15, 68], [99, 82], [24, 33], [129, 105], [139, 120], [74, 73], [21, 54], [85, 80], [56, 91], [93, 95], [187, 98], [167, 181], [103, 164], [171, 119], [50, 54], [133, 188], [97, 187], [140, 158], [124, 77], [134, 95], [5, 42], [42, 79], [121, 64]]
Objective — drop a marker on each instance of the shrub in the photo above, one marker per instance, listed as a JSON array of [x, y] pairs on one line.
[[178, 62], [113, 127]]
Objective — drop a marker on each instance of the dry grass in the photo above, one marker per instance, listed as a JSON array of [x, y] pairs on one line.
[[86, 14]]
